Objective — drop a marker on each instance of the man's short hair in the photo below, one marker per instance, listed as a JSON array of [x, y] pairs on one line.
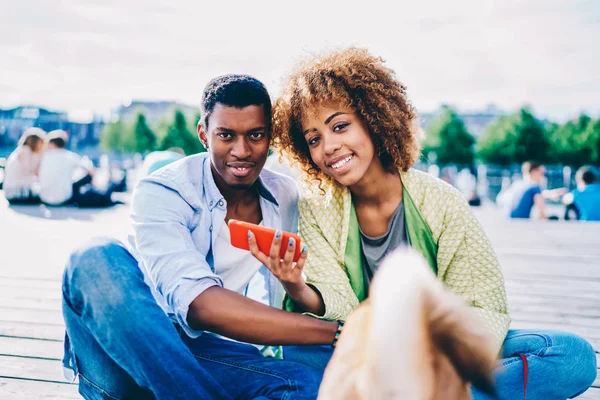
[[587, 175], [58, 137], [530, 166], [237, 91]]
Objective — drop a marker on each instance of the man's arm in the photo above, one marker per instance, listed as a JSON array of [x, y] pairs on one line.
[[540, 205], [182, 276], [232, 315]]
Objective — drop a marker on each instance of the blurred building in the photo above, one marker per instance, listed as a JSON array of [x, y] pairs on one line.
[[14, 121], [475, 121], [153, 110]]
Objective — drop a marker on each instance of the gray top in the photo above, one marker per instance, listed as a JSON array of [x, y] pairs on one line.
[[374, 249]]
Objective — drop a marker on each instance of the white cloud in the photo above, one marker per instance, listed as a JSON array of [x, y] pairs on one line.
[[89, 56]]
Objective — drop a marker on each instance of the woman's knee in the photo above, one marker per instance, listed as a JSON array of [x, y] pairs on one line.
[[578, 364], [582, 354]]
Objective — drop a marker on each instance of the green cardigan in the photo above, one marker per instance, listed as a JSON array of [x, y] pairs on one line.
[[440, 226]]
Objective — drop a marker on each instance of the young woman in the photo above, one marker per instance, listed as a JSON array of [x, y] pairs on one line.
[[22, 167], [347, 122]]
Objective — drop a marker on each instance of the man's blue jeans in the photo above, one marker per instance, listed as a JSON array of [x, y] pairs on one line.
[[125, 347]]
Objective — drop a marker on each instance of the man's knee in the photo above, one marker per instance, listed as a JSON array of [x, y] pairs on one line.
[[90, 266]]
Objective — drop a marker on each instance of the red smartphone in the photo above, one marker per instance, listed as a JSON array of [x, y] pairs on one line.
[[264, 237]]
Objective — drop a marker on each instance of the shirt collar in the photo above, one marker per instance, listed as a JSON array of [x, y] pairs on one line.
[[214, 196]]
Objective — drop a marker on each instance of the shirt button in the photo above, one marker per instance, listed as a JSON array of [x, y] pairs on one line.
[[210, 229], [220, 202], [210, 204]]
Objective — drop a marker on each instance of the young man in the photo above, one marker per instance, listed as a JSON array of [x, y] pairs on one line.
[[586, 198], [119, 339], [530, 192]]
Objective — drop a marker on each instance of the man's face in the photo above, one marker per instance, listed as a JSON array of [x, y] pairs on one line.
[[237, 140], [537, 175]]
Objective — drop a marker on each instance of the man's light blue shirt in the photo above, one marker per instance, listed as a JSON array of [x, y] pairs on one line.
[[177, 213]]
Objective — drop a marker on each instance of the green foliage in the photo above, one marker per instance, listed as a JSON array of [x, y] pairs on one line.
[[179, 135], [144, 139], [575, 143], [111, 137], [514, 138], [591, 136], [447, 137]]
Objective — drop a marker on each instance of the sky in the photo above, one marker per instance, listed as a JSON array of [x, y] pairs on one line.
[[87, 57]]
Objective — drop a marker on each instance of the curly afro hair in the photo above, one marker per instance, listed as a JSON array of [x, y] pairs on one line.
[[350, 78]]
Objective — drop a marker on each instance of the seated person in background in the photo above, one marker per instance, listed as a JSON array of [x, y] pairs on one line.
[[158, 159], [21, 171], [530, 192], [586, 198], [57, 169]]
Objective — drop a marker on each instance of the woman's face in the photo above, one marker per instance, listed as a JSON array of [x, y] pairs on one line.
[[339, 143]]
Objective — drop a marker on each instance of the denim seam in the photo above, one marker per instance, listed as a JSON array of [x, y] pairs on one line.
[[289, 381], [544, 349], [104, 392], [510, 361]]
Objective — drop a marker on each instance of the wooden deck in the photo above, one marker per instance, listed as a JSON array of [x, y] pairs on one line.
[[552, 275]]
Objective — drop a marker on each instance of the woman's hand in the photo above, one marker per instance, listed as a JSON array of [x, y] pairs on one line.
[[288, 272]]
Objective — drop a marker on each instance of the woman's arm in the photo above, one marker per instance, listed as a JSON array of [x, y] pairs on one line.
[[469, 267], [324, 271]]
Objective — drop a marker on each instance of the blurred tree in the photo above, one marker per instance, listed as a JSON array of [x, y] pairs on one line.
[[531, 140], [111, 137], [179, 135], [572, 143], [514, 138], [591, 137], [447, 137], [144, 139]]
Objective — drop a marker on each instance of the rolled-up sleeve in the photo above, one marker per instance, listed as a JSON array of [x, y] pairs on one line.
[[163, 240]]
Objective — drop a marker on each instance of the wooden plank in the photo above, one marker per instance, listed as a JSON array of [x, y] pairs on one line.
[[550, 299], [33, 316], [590, 394], [583, 311], [31, 368], [31, 348], [44, 284], [32, 330], [21, 389], [54, 304], [29, 293], [556, 285]]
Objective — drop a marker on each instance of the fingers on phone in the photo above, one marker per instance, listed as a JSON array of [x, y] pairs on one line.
[[291, 249], [275, 248], [302, 258]]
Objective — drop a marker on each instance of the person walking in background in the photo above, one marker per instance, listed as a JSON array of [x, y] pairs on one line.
[[530, 192], [586, 198], [22, 168], [57, 170]]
